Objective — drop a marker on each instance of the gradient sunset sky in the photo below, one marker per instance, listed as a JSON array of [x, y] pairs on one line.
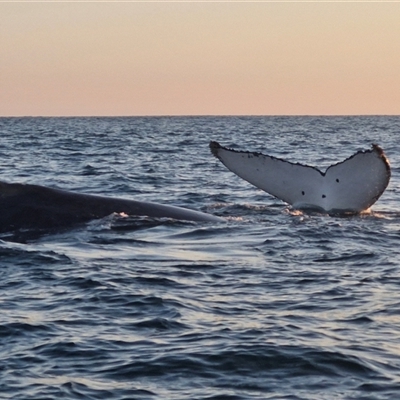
[[199, 58]]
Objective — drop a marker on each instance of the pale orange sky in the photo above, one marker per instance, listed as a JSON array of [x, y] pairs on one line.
[[204, 58]]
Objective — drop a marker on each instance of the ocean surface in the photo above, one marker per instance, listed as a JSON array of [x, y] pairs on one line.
[[270, 304]]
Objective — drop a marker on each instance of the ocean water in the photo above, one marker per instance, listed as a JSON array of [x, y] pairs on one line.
[[270, 304]]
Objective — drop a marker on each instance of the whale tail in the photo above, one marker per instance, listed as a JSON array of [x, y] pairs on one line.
[[352, 185]]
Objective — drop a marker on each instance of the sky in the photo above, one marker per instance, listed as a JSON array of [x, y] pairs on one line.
[[199, 58]]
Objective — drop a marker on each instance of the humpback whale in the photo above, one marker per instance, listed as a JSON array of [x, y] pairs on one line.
[[25, 206], [350, 186]]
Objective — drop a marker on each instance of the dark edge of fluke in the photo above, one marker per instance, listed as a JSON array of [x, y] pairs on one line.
[[215, 146]]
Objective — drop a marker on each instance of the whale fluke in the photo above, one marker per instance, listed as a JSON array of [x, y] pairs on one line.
[[24, 206], [350, 186]]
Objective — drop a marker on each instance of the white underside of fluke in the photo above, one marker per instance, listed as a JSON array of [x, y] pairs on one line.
[[349, 186]]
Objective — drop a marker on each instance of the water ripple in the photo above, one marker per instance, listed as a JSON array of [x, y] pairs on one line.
[[270, 304]]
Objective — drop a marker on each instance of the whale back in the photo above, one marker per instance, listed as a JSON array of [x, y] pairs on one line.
[[352, 185], [25, 206]]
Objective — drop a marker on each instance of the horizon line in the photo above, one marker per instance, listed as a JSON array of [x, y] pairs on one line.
[[198, 115]]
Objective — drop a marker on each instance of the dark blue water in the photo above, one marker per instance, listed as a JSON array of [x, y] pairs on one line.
[[271, 304]]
